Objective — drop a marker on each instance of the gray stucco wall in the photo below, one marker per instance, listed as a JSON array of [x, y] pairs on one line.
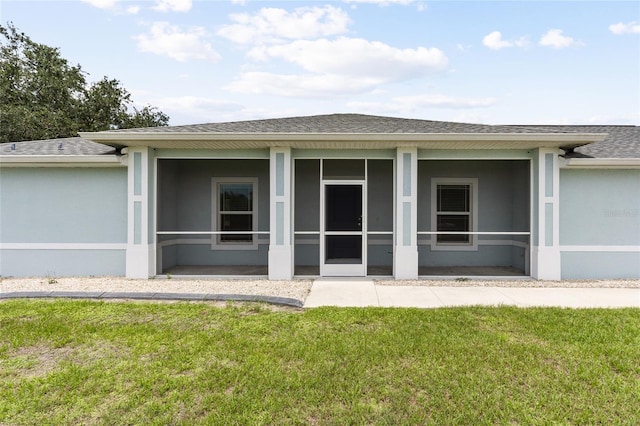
[[185, 204], [503, 206], [600, 223], [62, 263], [65, 221]]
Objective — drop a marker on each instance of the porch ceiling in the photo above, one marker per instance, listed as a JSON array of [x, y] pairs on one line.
[[205, 140]]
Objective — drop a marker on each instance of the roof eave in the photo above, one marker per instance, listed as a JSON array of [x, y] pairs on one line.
[[601, 163], [61, 161], [519, 140]]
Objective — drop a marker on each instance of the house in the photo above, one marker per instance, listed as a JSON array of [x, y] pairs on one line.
[[328, 195]]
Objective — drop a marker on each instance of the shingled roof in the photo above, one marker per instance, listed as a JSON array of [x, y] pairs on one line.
[[621, 142], [339, 123], [63, 146]]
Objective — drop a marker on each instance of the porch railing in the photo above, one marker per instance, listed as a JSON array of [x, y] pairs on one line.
[[213, 233], [318, 233], [471, 233]]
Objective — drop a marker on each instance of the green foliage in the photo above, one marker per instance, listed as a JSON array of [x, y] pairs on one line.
[[84, 362], [43, 96]]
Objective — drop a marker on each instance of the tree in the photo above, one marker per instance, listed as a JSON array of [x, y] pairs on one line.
[[42, 96], [106, 104]]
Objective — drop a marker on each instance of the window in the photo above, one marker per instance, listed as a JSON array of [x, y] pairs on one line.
[[235, 207], [454, 209]]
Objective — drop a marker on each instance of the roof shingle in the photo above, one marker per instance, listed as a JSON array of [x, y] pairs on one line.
[[63, 146], [621, 142], [338, 123]]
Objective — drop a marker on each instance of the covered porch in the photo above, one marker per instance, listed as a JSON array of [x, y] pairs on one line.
[[343, 198], [214, 217]]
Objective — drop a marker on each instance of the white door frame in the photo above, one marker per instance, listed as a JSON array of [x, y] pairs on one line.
[[343, 270]]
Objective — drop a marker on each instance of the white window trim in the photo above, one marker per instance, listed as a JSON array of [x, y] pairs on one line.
[[473, 239], [215, 245]]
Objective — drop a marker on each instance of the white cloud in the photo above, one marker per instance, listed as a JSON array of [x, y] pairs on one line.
[[273, 24], [101, 4], [357, 58], [338, 67], [494, 41], [306, 85], [382, 2], [173, 5], [556, 40], [115, 6], [181, 45], [240, 2], [622, 28], [420, 4], [132, 10]]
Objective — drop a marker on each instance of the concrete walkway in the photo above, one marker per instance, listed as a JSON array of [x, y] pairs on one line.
[[363, 292]]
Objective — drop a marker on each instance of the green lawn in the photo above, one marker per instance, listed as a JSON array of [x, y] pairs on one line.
[[86, 362]]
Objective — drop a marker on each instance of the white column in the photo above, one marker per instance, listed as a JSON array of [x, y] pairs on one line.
[[280, 226], [140, 256], [545, 253], [405, 253]]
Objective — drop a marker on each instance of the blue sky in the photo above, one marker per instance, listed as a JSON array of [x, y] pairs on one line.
[[509, 62]]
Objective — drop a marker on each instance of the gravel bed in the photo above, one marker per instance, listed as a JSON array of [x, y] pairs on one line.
[[296, 289], [622, 283]]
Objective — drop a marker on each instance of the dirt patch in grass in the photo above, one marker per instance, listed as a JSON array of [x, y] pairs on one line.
[[39, 360]]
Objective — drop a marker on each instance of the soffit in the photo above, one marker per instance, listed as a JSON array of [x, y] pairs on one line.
[[453, 141]]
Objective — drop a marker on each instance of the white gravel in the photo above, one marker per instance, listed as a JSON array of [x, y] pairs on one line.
[[527, 282], [296, 289]]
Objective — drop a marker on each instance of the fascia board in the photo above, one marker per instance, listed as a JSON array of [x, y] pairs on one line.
[[61, 161], [601, 163], [420, 140], [214, 136]]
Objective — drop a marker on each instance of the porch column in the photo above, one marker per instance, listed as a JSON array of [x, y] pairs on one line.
[[140, 256], [280, 253], [405, 253], [545, 253]]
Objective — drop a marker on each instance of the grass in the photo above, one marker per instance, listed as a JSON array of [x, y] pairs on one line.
[[85, 362]]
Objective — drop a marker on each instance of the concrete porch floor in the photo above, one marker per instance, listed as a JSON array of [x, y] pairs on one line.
[[470, 271], [230, 270], [314, 271]]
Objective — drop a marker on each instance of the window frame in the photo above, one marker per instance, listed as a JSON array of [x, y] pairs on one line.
[[216, 244], [472, 244]]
